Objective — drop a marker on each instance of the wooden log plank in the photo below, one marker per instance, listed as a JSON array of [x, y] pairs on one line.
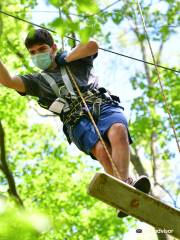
[[136, 203]]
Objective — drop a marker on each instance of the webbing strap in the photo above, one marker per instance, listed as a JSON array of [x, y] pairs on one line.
[[52, 83], [67, 81]]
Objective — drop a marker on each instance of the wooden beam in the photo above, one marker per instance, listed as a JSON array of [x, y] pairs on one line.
[[136, 203]]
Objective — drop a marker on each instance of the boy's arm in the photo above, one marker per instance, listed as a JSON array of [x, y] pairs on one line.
[[6, 80], [80, 51]]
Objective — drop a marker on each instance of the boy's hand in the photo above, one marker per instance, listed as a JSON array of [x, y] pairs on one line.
[[6, 80], [60, 58]]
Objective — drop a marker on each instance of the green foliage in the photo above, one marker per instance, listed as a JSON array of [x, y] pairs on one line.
[[58, 185], [48, 176], [12, 42], [117, 17], [18, 224], [83, 26], [89, 8]]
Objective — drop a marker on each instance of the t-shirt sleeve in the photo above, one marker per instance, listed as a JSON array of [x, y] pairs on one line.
[[89, 60], [31, 85], [83, 64]]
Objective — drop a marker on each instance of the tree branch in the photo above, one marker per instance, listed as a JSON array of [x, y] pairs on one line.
[[153, 154], [160, 52], [168, 193], [4, 166], [143, 51], [72, 33]]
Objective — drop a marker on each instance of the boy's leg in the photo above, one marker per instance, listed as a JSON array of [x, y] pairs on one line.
[[118, 138], [101, 155], [119, 151]]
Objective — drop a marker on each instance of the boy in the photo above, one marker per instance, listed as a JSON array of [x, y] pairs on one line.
[[56, 93]]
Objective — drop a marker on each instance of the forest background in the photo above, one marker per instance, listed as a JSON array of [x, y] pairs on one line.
[[51, 177]]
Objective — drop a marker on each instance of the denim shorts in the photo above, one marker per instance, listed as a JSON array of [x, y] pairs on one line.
[[84, 134]]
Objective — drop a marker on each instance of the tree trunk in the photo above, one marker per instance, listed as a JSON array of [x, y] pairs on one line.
[[135, 160], [5, 169], [138, 165]]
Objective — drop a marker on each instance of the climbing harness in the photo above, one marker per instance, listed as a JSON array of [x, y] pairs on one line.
[[68, 104]]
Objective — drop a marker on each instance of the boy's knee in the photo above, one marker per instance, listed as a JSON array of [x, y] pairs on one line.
[[118, 133]]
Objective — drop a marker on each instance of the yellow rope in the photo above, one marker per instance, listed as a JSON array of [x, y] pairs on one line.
[[72, 78], [116, 173]]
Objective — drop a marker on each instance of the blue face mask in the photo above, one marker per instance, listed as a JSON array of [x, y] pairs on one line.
[[42, 60]]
